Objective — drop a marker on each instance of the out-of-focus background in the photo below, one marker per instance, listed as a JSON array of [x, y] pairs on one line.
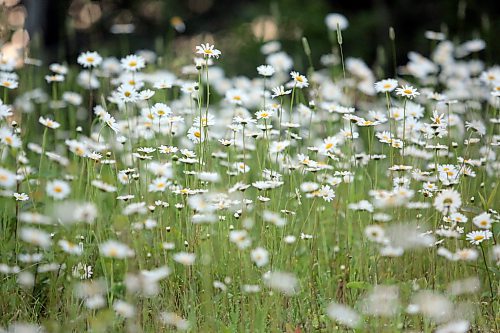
[[59, 29]]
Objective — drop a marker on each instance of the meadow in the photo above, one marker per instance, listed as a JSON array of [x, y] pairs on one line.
[[140, 195]]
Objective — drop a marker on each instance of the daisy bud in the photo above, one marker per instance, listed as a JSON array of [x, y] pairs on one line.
[[13, 124], [305, 45], [168, 229], [79, 129], [339, 35], [108, 154], [392, 34]]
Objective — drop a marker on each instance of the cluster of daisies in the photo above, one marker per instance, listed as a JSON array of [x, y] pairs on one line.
[[120, 174]]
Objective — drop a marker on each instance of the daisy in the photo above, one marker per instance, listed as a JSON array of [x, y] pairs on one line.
[[9, 83], [146, 94], [336, 21], [448, 201], [36, 237], [208, 50], [204, 121], [476, 126], [111, 122], [58, 69], [482, 221], [5, 111], [478, 236], [300, 80], [9, 139], [116, 250], [58, 189], [21, 196], [161, 110], [89, 59], [127, 93], [196, 135], [386, 85], [54, 78], [265, 70], [259, 256], [69, 247], [133, 63], [327, 193], [158, 185], [184, 258], [236, 96], [343, 315], [280, 91], [48, 122], [407, 91], [264, 114], [458, 218]]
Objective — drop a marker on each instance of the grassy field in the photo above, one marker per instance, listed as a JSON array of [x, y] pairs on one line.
[[143, 197]]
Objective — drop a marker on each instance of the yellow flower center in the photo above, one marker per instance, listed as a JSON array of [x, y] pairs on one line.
[[90, 59]]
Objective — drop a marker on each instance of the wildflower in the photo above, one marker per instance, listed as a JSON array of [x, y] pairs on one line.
[[54, 78], [171, 318], [69, 247], [133, 63], [240, 238], [127, 93], [49, 122], [89, 59], [336, 21], [280, 91], [9, 139], [283, 282], [124, 309], [478, 236], [407, 91], [386, 85], [300, 81], [115, 249], [448, 201], [161, 110], [343, 315], [264, 114], [208, 51], [21, 196], [265, 70], [196, 135], [82, 271], [9, 83], [58, 189], [482, 221], [184, 258], [36, 237]]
